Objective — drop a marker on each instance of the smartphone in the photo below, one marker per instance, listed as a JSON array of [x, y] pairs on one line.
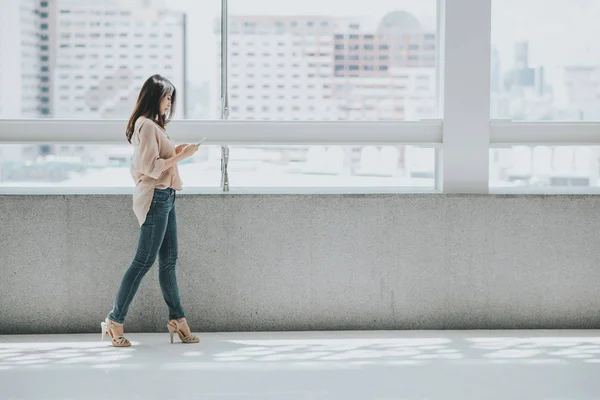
[[200, 142]]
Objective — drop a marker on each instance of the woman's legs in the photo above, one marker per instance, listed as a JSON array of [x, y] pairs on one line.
[[151, 236], [167, 260]]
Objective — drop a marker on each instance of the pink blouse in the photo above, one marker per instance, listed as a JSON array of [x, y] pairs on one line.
[[151, 146]]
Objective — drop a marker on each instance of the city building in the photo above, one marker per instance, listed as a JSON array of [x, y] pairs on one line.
[[25, 85], [82, 59], [328, 68], [104, 51], [85, 59], [583, 92], [320, 68]]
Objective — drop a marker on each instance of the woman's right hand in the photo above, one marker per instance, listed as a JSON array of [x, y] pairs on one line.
[[189, 150]]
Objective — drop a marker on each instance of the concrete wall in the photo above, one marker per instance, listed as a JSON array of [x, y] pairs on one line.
[[309, 262]]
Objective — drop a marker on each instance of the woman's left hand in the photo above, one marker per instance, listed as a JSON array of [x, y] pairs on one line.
[[179, 148]]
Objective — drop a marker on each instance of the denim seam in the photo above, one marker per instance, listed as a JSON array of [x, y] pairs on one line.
[[169, 257], [152, 236]]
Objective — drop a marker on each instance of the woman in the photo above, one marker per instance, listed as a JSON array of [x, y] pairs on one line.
[[154, 170]]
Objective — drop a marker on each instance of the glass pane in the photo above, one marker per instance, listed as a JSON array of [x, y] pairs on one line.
[[89, 59], [64, 165], [332, 166], [327, 60], [545, 60], [545, 166]]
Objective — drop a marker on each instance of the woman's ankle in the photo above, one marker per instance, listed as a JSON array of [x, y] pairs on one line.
[[113, 320]]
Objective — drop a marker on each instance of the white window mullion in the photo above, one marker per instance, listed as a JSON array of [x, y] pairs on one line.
[[508, 133], [465, 64], [224, 90]]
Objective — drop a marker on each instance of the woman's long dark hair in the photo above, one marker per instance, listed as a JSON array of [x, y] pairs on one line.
[[148, 103]]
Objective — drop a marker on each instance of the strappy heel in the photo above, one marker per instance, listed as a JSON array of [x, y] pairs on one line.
[[174, 326], [118, 341]]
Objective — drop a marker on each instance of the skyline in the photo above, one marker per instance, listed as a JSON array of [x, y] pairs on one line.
[[301, 88], [553, 43], [202, 59]]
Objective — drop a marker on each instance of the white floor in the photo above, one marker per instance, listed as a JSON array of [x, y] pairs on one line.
[[482, 365]]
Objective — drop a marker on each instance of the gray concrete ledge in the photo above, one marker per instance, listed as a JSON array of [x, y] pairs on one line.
[[309, 262]]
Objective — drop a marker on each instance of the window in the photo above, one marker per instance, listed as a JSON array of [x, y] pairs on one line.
[[545, 66], [328, 166], [545, 167], [93, 43], [93, 165], [306, 40]]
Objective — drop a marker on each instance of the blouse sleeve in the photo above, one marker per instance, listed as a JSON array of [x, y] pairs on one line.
[[148, 161]]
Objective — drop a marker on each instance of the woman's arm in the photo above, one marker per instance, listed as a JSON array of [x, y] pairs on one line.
[[149, 162], [169, 162]]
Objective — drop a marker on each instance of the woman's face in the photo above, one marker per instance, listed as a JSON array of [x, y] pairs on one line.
[[165, 104]]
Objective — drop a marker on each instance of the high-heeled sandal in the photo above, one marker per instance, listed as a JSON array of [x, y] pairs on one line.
[[118, 341], [174, 326]]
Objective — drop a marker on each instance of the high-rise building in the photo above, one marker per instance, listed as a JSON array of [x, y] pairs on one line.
[[24, 59], [81, 59], [521, 76], [328, 68], [583, 92], [495, 71], [280, 68], [104, 51], [396, 66], [85, 58]]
